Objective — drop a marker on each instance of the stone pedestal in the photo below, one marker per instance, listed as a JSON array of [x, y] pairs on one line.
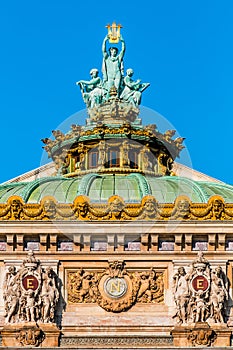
[[51, 333], [201, 334], [30, 334]]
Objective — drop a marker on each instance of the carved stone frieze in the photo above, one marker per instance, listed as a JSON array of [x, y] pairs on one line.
[[116, 342], [116, 209], [115, 289]]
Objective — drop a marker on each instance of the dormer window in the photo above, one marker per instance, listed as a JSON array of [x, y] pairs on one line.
[[113, 159], [133, 156], [93, 159]]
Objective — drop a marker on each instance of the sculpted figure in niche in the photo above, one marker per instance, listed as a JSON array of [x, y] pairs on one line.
[[86, 288], [200, 309], [11, 294], [132, 91], [113, 69], [146, 282], [92, 91], [102, 153], [125, 154], [36, 303], [49, 295], [181, 294], [218, 295], [146, 156]]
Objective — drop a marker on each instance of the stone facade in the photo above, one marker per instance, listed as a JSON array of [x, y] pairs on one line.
[[97, 252], [126, 294]]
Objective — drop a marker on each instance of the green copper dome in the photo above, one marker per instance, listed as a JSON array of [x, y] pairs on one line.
[[130, 187]]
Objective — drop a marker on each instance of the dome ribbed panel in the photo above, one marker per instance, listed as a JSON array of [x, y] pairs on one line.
[[131, 188]]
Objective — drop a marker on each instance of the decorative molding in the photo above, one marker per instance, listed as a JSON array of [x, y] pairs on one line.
[[116, 209], [104, 342]]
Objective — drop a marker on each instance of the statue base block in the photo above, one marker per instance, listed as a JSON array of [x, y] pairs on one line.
[[30, 334], [201, 334], [51, 333]]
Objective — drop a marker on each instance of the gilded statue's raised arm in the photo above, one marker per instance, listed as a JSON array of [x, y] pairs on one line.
[[104, 50], [123, 47]]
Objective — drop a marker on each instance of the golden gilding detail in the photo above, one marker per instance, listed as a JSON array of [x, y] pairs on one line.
[[116, 209], [70, 153]]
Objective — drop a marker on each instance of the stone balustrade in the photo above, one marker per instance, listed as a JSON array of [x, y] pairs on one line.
[[91, 237]]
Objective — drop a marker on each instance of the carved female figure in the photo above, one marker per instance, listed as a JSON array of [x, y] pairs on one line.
[[181, 294], [49, 295], [11, 294]]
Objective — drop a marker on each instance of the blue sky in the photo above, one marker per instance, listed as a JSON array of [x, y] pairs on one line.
[[183, 48]]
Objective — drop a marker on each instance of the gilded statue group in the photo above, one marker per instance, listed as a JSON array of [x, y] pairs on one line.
[[96, 90]]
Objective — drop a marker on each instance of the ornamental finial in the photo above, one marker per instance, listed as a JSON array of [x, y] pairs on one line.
[[114, 32]]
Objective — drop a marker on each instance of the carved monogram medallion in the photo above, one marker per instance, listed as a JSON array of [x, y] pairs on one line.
[[115, 287], [117, 294], [30, 282], [200, 282]]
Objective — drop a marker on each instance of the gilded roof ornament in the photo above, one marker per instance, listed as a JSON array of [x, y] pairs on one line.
[[114, 32]]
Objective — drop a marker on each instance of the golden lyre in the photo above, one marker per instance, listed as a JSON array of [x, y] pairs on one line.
[[114, 32]]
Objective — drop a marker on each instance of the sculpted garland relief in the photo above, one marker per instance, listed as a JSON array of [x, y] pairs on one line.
[[115, 289], [116, 209]]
